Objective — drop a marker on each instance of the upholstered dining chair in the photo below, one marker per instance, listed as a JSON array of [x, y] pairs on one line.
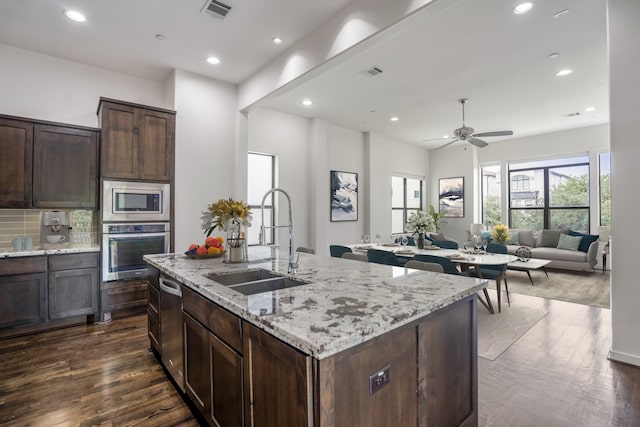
[[495, 272], [426, 266], [445, 244], [338, 250], [447, 265], [305, 250], [379, 256], [355, 256]]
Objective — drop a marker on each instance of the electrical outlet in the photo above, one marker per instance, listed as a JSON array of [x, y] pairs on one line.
[[379, 379]]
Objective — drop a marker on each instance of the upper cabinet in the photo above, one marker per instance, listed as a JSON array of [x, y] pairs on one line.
[[137, 141], [47, 165]]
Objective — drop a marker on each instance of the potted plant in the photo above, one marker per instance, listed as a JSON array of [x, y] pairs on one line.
[[436, 218], [419, 223]]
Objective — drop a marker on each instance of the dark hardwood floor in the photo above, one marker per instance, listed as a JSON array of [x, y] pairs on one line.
[[557, 374]]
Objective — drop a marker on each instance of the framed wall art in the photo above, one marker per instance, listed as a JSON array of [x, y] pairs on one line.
[[451, 196], [344, 196]]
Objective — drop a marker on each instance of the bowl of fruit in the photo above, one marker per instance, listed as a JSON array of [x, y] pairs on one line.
[[212, 248]]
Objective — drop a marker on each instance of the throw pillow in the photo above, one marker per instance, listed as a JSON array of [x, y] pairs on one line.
[[549, 238], [587, 240], [569, 242], [515, 238], [486, 235]]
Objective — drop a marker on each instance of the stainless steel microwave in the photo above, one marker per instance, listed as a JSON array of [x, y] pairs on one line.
[[135, 201]]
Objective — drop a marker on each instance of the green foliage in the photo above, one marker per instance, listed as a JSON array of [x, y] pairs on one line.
[[436, 217], [492, 211], [571, 192], [605, 199]]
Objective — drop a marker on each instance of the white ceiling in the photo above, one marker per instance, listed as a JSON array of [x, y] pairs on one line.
[[475, 49]]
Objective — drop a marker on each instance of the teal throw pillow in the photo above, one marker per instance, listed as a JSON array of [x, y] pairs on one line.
[[515, 238], [569, 242], [486, 235], [587, 240]]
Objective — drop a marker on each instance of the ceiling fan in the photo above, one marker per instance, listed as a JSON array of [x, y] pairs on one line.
[[465, 133]]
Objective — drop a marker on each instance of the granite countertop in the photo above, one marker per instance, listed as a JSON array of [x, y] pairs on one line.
[[50, 249], [346, 302]]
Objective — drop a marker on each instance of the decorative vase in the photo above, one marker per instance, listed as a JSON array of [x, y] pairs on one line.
[[236, 244], [420, 241]]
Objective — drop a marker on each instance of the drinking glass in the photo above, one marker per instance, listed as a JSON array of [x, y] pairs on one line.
[[366, 238], [477, 242], [405, 240], [378, 238], [484, 245]]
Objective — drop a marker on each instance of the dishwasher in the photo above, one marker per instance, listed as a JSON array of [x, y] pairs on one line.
[[171, 329]]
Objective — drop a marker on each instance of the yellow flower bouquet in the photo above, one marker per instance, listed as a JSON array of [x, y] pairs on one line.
[[228, 214], [500, 234]]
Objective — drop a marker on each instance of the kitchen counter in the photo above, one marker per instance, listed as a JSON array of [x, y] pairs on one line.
[[346, 303], [49, 249]]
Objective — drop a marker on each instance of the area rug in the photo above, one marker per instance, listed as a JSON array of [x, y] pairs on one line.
[[587, 288], [497, 332]]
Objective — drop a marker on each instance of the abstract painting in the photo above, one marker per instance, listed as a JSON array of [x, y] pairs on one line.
[[344, 196], [451, 197]]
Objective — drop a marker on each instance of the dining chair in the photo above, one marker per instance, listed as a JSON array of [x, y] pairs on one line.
[[305, 250], [426, 266], [447, 265], [338, 250], [494, 272], [379, 256], [353, 255], [445, 244]]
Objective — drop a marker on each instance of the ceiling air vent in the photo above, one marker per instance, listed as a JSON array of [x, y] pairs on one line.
[[216, 8], [371, 71]]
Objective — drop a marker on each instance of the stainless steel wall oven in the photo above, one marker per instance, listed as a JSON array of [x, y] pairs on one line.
[[124, 245]]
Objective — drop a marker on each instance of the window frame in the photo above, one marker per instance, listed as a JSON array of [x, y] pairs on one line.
[[270, 233], [405, 209]]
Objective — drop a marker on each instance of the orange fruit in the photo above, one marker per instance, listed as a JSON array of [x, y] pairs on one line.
[[213, 250], [193, 247], [220, 239], [210, 241], [201, 251]]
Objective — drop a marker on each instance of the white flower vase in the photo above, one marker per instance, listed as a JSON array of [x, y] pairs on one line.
[[236, 244]]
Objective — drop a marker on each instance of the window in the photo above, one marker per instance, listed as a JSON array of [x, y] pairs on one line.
[[605, 189], [491, 195], [551, 194], [260, 179], [406, 197]]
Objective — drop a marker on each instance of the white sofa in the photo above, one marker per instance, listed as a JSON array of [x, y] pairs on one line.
[[560, 258]]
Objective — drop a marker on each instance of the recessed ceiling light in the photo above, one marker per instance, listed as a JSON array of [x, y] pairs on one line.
[[590, 109], [161, 37], [523, 8], [394, 119], [554, 55], [75, 15], [307, 102], [560, 14], [564, 72], [445, 136], [277, 40], [213, 60]]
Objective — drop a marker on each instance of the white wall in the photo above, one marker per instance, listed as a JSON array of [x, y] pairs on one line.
[[456, 161], [206, 123], [287, 137], [624, 80], [47, 88]]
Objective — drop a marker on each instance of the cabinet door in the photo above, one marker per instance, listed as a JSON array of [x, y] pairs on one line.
[[16, 163], [73, 293], [226, 384], [65, 167], [277, 382], [119, 145], [157, 130], [23, 299], [197, 372]]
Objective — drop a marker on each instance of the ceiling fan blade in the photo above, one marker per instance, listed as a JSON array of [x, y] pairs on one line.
[[477, 142], [436, 139], [496, 133], [448, 143]]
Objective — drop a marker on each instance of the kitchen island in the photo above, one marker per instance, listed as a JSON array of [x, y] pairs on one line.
[[357, 344]]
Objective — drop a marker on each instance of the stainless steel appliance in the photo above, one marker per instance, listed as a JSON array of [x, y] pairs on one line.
[[135, 201], [171, 329], [124, 245], [54, 228]]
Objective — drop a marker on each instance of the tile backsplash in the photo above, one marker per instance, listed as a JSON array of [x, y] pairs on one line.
[[26, 223]]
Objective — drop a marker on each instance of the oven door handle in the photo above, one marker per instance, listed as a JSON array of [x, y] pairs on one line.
[[170, 287]]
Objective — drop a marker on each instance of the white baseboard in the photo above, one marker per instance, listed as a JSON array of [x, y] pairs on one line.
[[618, 356]]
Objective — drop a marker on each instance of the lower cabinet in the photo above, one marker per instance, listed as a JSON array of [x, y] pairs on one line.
[[73, 285], [23, 295]]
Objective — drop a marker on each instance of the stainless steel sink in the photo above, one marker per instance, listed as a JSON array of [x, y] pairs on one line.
[[253, 282]]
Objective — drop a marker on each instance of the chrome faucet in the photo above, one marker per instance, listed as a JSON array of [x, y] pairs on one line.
[[293, 263]]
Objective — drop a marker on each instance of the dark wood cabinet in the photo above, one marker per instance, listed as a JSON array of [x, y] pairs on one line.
[[122, 298], [16, 163], [278, 382], [153, 310], [197, 374], [65, 165], [23, 291], [47, 165], [137, 141], [73, 285]]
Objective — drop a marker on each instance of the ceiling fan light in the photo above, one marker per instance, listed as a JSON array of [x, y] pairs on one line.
[[523, 8], [394, 119], [213, 60]]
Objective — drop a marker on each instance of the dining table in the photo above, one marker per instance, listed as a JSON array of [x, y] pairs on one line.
[[464, 258]]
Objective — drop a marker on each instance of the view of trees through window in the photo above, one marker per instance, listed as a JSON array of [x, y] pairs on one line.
[[551, 194], [406, 197], [491, 195], [260, 179], [605, 189]]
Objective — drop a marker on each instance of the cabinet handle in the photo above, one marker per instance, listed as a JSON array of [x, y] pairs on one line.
[[170, 287]]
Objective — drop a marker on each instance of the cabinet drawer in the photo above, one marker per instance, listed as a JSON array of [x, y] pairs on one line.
[[154, 299], [218, 320], [127, 294], [154, 331], [23, 265], [73, 261]]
